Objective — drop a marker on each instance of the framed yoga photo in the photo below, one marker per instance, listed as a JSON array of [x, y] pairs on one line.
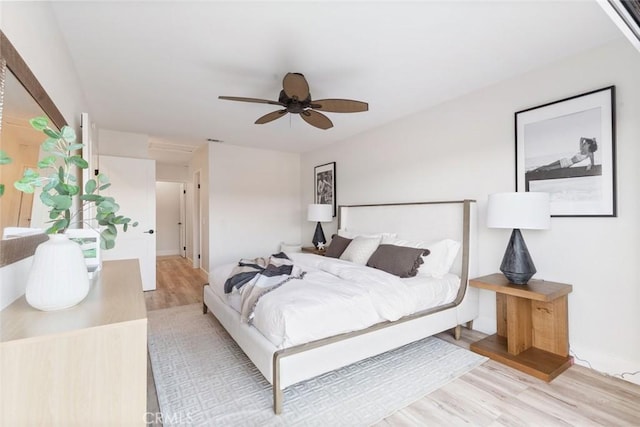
[[324, 179], [567, 149]]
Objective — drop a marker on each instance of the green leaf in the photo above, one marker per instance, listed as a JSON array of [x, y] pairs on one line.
[[53, 182], [79, 161], [47, 162], [135, 224], [125, 227], [47, 200], [102, 178], [104, 187], [107, 206], [74, 147], [25, 187], [90, 186], [72, 190], [107, 244], [91, 197], [68, 134], [62, 202], [31, 174], [4, 158], [60, 224], [39, 123], [52, 133], [61, 174], [1, 189], [49, 144]]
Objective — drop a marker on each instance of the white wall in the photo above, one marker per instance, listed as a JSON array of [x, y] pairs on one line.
[[254, 202], [200, 163], [167, 218], [122, 144], [172, 173], [465, 149], [32, 29]]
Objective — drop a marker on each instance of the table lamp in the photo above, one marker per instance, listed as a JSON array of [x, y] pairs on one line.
[[525, 210], [319, 213]]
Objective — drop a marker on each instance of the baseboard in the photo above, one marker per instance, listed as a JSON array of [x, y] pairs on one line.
[[168, 252], [605, 363]]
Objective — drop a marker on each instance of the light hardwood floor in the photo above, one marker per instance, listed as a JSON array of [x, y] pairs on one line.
[[490, 395]]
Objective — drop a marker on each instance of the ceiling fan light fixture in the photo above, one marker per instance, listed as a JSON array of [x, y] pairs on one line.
[[295, 97]]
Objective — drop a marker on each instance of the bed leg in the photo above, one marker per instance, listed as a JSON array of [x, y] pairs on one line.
[[205, 309], [470, 325], [457, 332], [275, 380], [277, 400]]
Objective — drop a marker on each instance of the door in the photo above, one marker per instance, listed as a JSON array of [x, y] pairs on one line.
[[133, 185], [183, 220]]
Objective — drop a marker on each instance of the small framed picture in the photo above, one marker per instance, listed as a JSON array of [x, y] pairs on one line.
[[324, 179], [567, 149], [89, 241]]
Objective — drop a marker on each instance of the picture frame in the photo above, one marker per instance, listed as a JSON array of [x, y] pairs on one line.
[[324, 181], [567, 148]]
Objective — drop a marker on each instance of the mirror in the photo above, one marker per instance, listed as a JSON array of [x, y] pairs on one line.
[[27, 99], [22, 143]]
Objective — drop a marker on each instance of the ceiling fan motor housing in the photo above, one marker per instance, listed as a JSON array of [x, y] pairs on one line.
[[294, 105]]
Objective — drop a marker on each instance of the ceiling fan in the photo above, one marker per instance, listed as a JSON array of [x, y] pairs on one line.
[[296, 99]]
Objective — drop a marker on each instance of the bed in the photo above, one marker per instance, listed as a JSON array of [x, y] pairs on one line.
[[287, 362]]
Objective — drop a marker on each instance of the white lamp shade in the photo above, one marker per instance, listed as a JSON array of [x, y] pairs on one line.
[[320, 213], [525, 210]]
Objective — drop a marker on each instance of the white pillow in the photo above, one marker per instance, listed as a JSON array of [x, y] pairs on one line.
[[349, 234], [360, 249], [290, 247], [441, 256]]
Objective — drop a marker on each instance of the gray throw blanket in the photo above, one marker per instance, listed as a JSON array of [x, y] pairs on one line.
[[253, 278]]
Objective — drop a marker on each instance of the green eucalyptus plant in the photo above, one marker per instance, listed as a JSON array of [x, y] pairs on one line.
[[61, 185], [4, 160]]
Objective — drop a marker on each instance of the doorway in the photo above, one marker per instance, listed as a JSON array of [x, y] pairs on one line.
[[170, 218]]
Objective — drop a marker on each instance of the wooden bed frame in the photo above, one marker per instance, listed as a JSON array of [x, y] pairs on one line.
[[435, 221]]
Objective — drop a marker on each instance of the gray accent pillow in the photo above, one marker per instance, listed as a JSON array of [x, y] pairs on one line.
[[401, 261], [337, 246]]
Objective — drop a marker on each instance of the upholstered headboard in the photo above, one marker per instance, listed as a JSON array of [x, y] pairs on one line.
[[427, 221]]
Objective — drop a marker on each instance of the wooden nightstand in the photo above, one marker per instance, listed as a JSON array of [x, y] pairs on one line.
[[532, 325], [313, 250]]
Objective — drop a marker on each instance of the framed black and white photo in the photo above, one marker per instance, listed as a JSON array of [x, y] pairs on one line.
[[324, 179], [567, 149]]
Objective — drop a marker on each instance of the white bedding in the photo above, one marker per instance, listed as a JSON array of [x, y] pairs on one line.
[[336, 297]]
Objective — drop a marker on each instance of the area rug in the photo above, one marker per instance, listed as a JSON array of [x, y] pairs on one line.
[[204, 379]]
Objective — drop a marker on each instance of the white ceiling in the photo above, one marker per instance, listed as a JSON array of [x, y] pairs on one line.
[[158, 67]]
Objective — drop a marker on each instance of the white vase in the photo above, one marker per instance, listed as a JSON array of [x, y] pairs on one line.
[[58, 278]]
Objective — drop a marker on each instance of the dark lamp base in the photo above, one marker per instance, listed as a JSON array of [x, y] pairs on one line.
[[318, 236], [517, 265]]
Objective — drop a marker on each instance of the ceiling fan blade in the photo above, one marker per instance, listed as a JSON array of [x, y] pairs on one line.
[[255, 100], [271, 117], [316, 119], [340, 105], [295, 86]]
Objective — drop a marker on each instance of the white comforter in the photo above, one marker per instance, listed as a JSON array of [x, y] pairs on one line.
[[334, 297]]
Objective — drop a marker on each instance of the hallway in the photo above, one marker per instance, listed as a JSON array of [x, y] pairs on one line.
[[177, 283]]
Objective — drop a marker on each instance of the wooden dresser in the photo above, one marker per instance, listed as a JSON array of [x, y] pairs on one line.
[[86, 365]]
